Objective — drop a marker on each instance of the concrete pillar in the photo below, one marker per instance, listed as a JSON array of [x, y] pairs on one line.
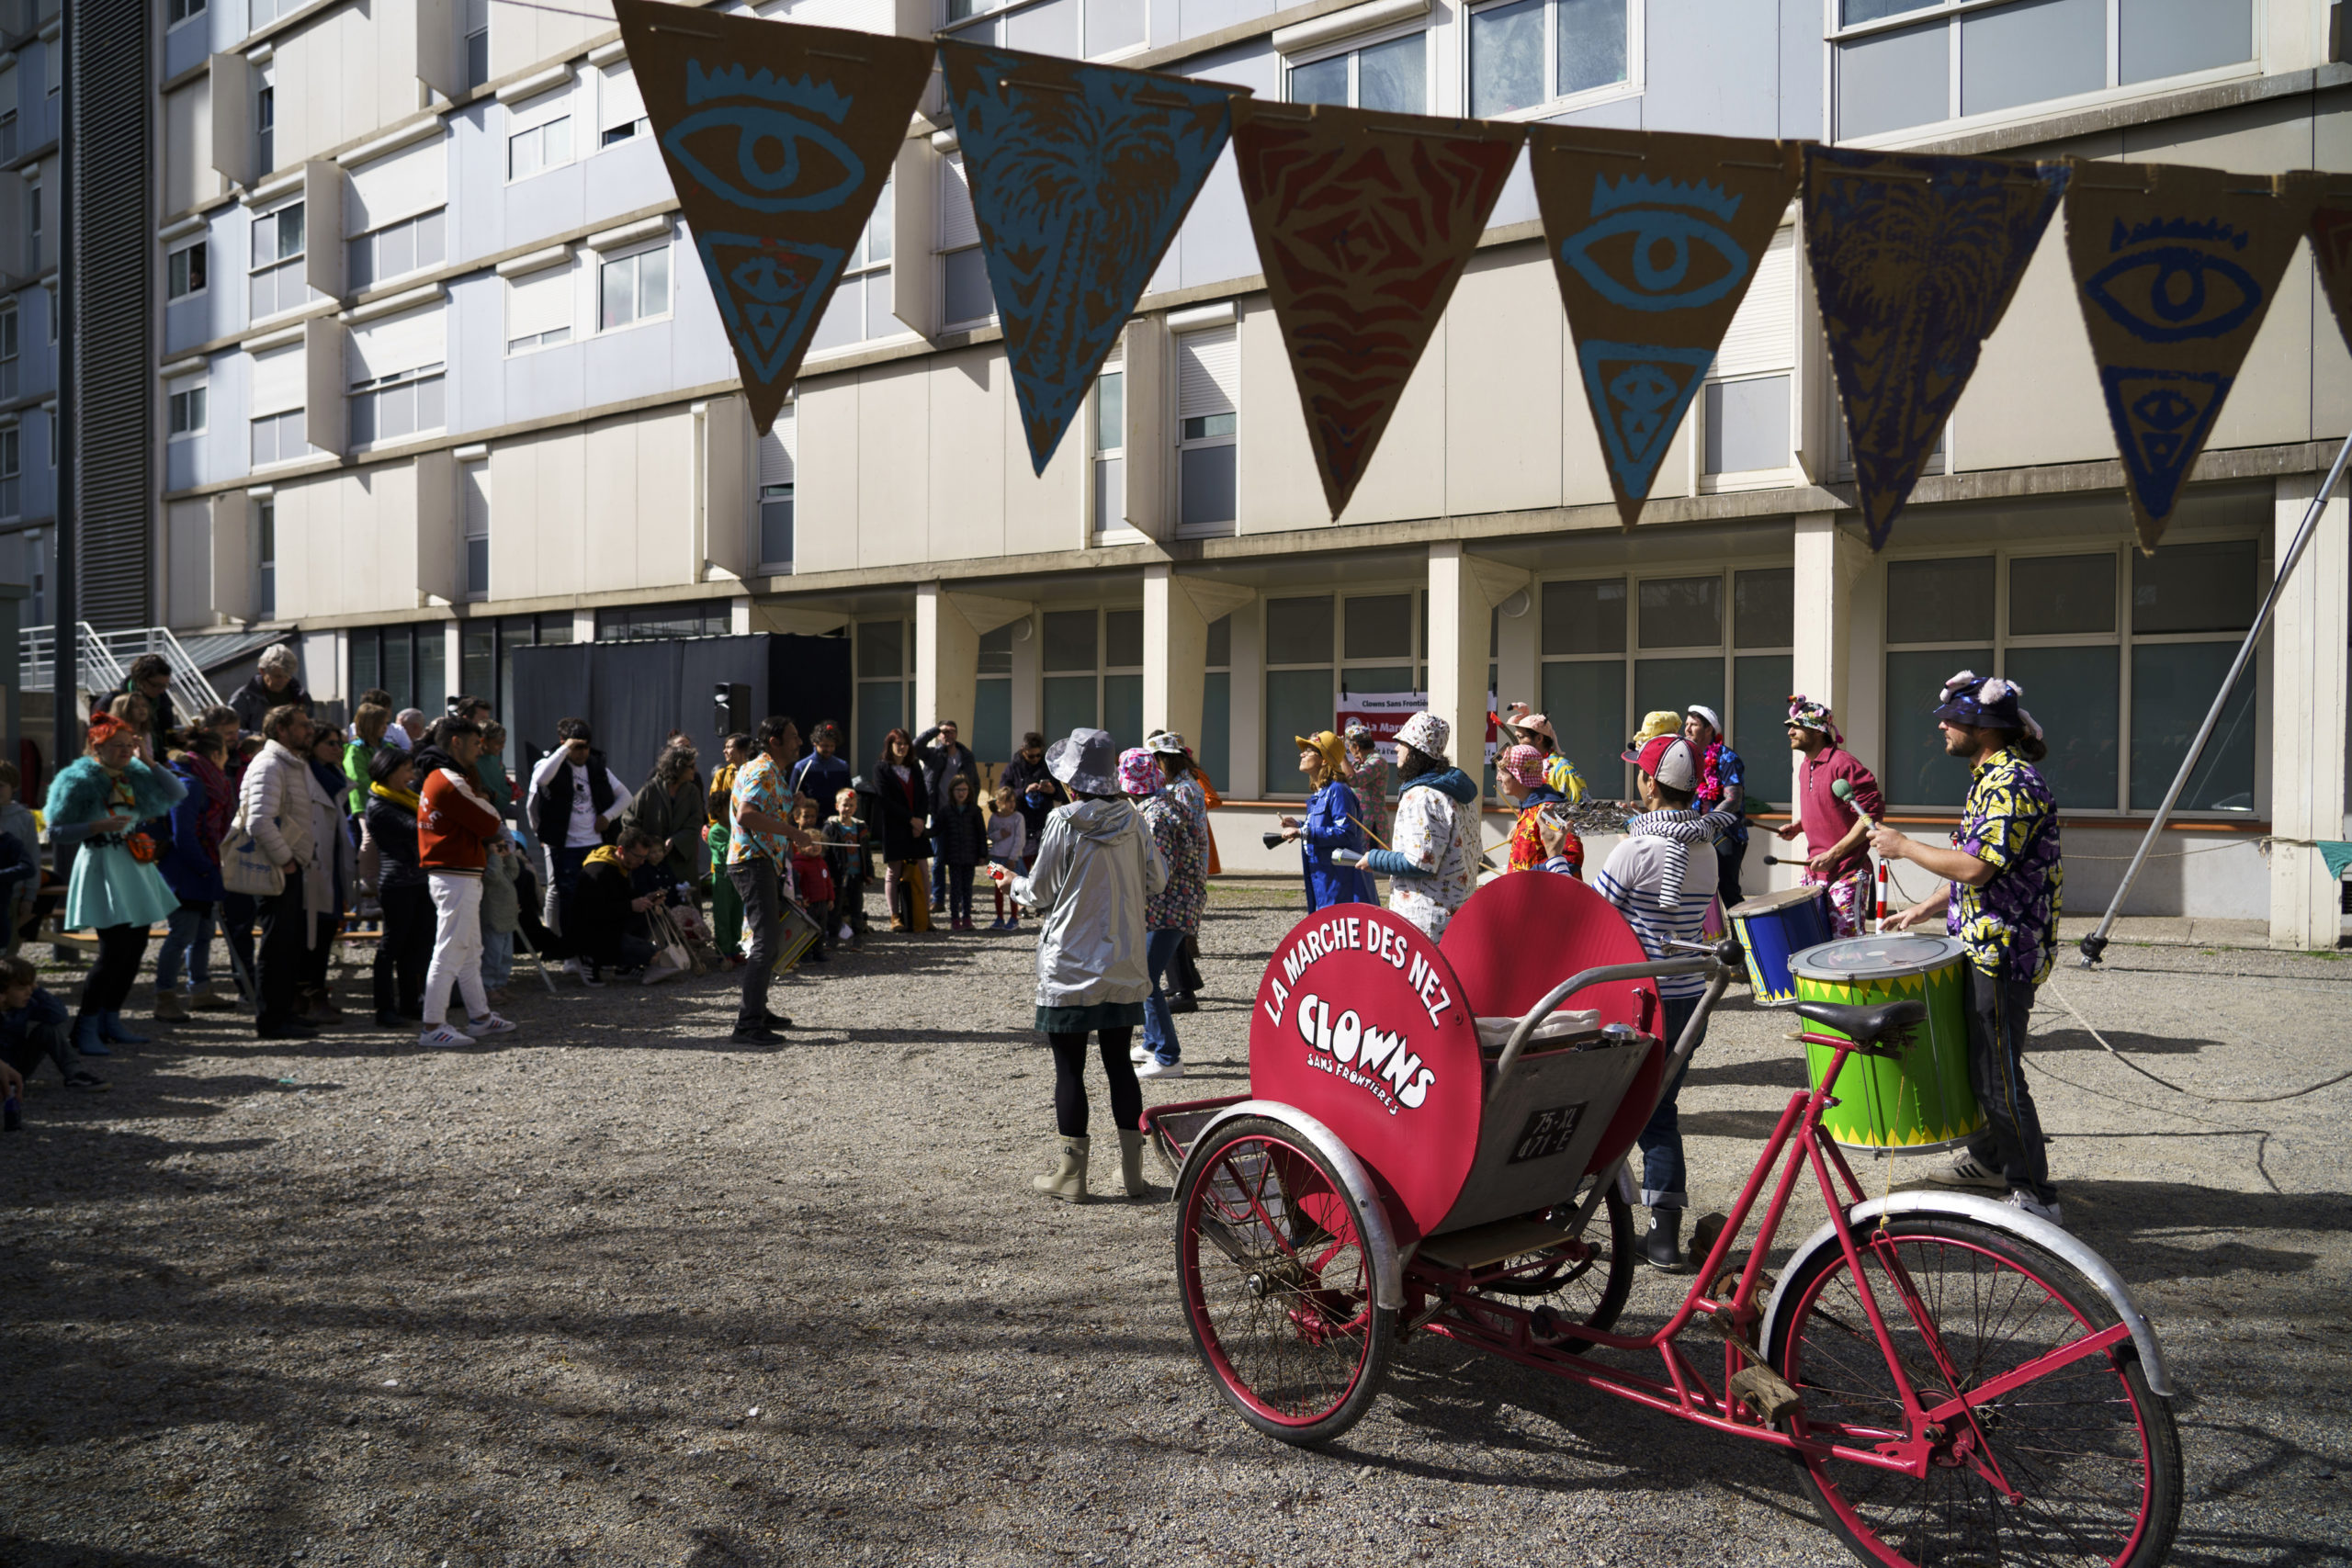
[[1829, 561], [1176, 615], [948, 657], [2310, 689], [1463, 590]]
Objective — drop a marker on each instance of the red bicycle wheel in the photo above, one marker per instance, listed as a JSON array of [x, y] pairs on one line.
[[1277, 1283], [2091, 1454]]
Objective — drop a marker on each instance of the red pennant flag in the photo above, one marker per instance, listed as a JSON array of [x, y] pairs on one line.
[[1364, 221]]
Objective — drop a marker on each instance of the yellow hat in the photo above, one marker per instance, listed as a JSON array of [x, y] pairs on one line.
[[1656, 722], [1326, 745]]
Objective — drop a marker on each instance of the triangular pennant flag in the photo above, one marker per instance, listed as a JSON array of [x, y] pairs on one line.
[[1080, 175], [2331, 233], [2175, 268], [1913, 258], [1655, 239], [779, 139], [1364, 221]]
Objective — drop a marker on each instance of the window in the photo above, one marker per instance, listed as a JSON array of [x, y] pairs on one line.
[[1110, 417], [278, 434], [265, 126], [477, 42], [641, 623], [473, 481], [885, 658], [1391, 74], [1320, 646], [277, 282], [8, 134], [266, 561], [542, 147], [32, 226], [184, 270], [278, 437], [179, 11], [778, 451], [187, 410], [386, 408], [1208, 389], [620, 109], [1746, 409], [259, 14], [8, 360], [11, 461], [1213, 745], [410, 245], [35, 545], [1093, 672], [1530, 52], [969, 300], [859, 308], [1901, 64], [992, 697], [411, 662], [633, 287], [538, 310]]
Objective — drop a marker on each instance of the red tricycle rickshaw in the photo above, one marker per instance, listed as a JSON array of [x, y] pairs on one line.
[[1958, 1381]]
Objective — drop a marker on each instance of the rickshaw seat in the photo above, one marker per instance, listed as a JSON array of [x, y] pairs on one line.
[[1866, 1026]]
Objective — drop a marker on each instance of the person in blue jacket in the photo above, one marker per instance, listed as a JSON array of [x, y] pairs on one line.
[[1332, 823]]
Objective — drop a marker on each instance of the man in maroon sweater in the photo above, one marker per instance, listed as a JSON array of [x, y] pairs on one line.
[[454, 820], [1835, 830]]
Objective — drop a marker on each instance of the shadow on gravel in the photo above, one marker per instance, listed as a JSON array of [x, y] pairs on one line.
[[19, 1552], [2132, 1224], [2125, 1042]]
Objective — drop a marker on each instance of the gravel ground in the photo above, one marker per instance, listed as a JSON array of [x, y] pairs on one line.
[[619, 1293]]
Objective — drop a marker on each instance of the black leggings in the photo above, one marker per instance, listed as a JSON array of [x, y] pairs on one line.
[[108, 986], [1069, 1080]]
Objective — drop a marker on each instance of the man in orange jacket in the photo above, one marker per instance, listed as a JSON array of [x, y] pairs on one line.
[[454, 821]]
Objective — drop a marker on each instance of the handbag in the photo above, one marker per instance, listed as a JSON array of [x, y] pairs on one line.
[[245, 866], [673, 956]]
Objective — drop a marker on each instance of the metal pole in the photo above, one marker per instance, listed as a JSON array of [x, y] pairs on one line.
[[64, 674], [2094, 945]]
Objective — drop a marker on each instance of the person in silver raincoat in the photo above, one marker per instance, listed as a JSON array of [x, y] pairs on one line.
[[1095, 868]]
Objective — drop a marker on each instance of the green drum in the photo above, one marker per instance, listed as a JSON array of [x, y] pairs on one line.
[[1917, 1103]]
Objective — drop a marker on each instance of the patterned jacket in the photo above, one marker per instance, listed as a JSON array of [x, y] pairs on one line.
[[2010, 822], [1183, 846]]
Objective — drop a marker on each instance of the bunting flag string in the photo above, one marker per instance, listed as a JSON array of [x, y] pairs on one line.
[[1655, 239], [1364, 221], [778, 139], [1080, 175], [2175, 268]]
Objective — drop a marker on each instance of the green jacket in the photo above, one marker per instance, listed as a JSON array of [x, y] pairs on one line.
[[357, 755]]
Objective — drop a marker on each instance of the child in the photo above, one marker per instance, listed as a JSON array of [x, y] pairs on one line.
[[1008, 846], [502, 912], [846, 856], [963, 837], [815, 877], [33, 1026], [19, 855]]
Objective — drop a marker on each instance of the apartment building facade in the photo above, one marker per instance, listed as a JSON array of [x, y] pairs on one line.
[[438, 377]]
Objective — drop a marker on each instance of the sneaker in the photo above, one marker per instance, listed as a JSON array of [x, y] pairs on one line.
[[1184, 1002], [2026, 1202], [1138, 1053], [87, 1081], [1662, 1248], [1965, 1171], [441, 1034], [1156, 1069], [754, 1035], [490, 1023], [777, 1019]]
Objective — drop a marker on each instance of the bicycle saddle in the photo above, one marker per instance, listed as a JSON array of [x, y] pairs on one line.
[[1866, 1026]]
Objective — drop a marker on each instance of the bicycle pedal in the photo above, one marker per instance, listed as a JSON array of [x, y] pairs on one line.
[[1763, 1391]]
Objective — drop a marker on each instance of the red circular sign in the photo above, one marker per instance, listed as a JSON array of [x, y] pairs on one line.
[[1362, 1023]]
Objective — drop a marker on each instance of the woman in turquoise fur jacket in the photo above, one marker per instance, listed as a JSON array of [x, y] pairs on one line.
[[102, 799]]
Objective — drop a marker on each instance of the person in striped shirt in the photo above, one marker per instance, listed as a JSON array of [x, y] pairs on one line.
[[1648, 878]]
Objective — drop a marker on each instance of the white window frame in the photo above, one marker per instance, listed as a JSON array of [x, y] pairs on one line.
[[788, 419], [1355, 45], [189, 11], [1281, 779], [192, 393], [952, 177], [1952, 12], [391, 382], [1791, 472], [199, 246], [560, 104], [630, 256], [278, 265], [551, 337], [266, 559], [1183, 443], [378, 279], [636, 128], [1556, 102], [469, 475], [1107, 445]]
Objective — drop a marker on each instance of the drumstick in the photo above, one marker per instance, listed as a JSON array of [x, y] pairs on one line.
[[1842, 791]]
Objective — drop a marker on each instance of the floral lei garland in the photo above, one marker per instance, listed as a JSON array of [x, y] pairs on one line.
[[1711, 784]]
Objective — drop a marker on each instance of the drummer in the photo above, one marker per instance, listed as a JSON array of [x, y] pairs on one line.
[[1833, 830], [2005, 865]]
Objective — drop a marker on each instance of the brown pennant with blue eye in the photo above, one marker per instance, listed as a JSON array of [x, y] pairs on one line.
[[2177, 269], [779, 139], [1080, 175], [1655, 240]]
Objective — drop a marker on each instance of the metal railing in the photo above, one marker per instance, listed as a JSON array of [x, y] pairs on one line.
[[104, 660]]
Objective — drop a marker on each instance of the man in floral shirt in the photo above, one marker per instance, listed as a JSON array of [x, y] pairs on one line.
[[1171, 914], [2005, 864]]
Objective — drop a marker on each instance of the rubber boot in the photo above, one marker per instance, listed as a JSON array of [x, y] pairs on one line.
[[1131, 1164], [114, 1032], [1662, 1248], [86, 1036], [171, 1006], [1067, 1180]]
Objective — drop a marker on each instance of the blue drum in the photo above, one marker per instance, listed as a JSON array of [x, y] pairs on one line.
[[1772, 927]]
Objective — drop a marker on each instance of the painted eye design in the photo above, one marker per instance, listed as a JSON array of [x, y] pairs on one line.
[[764, 158], [1646, 259], [2164, 409], [2172, 293]]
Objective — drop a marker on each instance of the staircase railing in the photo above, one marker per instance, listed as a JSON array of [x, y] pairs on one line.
[[105, 661]]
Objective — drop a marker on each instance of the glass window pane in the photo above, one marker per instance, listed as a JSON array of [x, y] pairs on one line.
[[2026, 54], [396, 250], [1395, 75], [2166, 38], [289, 232], [398, 678], [2194, 588], [1506, 58], [1377, 678], [431, 243], [1854, 13], [1759, 708], [1586, 703], [1110, 491], [363, 660], [1592, 44], [432, 680], [1380, 626], [1123, 709], [2171, 685], [617, 306], [881, 649], [1682, 612], [2076, 695], [558, 133], [992, 721], [1213, 745], [1320, 82], [968, 296], [1069, 705], [1917, 772], [880, 709], [1110, 412], [1747, 424], [1941, 600], [555, 629], [363, 419], [1676, 684], [996, 652], [476, 657], [1220, 642], [2057, 596], [1763, 608], [1207, 485], [1122, 640], [653, 283], [1070, 640], [359, 268], [776, 531], [1894, 80], [877, 228], [1298, 631], [1584, 617], [1298, 701]]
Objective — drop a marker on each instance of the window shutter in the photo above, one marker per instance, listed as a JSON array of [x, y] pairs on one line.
[[399, 184], [277, 380], [957, 228], [779, 451], [1763, 334], [620, 102], [862, 16], [410, 341], [1208, 372], [538, 302]]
